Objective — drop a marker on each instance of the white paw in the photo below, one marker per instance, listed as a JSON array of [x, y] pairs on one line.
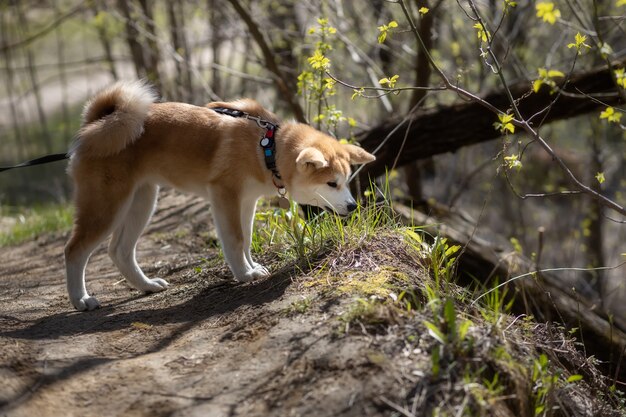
[[154, 285], [263, 271], [85, 303], [252, 274]]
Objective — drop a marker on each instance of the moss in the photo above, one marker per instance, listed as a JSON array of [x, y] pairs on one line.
[[379, 283]]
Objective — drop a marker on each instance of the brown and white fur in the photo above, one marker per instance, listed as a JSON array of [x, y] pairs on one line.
[[129, 145]]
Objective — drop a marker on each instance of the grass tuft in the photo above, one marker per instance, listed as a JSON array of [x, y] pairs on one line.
[[26, 224]]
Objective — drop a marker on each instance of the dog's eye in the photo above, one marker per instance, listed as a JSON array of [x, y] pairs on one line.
[[332, 184]]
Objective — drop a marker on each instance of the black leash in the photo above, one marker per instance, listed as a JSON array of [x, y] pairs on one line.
[[38, 161]]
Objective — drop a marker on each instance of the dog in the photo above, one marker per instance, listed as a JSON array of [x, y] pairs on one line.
[[230, 153]]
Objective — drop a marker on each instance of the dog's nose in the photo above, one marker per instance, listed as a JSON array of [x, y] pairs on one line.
[[351, 207]]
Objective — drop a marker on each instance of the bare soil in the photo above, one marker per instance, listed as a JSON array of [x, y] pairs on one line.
[[208, 346]]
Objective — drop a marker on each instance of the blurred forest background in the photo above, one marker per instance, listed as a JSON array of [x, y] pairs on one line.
[[409, 80]]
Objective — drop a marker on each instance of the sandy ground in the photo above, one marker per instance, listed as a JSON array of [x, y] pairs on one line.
[[206, 347]]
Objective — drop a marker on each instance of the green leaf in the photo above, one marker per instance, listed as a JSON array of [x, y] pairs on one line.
[[547, 12], [318, 61], [464, 329], [452, 250], [357, 93], [435, 358], [620, 76], [574, 378], [482, 33], [555, 73], [579, 42], [546, 77], [449, 315], [600, 177], [414, 236], [611, 115], [512, 161], [391, 82], [384, 30], [434, 331], [505, 124], [517, 246]]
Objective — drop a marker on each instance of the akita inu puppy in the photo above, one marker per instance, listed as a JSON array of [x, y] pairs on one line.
[[230, 153]]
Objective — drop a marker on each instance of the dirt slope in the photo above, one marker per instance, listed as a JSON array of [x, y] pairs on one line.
[[207, 346], [212, 347]]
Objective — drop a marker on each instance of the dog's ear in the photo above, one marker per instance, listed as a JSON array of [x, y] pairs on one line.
[[358, 155], [311, 156]]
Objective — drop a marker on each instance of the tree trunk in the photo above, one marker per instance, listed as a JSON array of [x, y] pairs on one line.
[[103, 37], [132, 38], [177, 29], [67, 134], [152, 50], [216, 42], [32, 73], [413, 172], [10, 86]]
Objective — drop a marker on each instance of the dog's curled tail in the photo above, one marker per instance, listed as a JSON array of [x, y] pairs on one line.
[[114, 118]]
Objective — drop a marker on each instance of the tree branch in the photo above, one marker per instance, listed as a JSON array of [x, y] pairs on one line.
[[279, 77], [44, 31]]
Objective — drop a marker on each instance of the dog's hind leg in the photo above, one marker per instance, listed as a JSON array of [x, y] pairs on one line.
[[226, 206], [122, 248], [94, 219]]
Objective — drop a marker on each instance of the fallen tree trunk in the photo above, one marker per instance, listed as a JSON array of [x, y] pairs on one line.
[[543, 295], [446, 129]]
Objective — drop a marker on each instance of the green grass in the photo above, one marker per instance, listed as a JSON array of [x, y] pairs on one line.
[[25, 224], [294, 238]]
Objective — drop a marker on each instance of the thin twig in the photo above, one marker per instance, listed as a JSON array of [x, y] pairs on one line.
[[515, 278]]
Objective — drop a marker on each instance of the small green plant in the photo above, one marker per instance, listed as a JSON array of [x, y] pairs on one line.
[[439, 258], [26, 224], [448, 331], [451, 334], [299, 306], [294, 238], [365, 312], [496, 304], [409, 300], [543, 384]]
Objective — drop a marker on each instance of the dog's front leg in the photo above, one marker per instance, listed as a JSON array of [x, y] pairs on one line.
[[248, 207], [227, 208]]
